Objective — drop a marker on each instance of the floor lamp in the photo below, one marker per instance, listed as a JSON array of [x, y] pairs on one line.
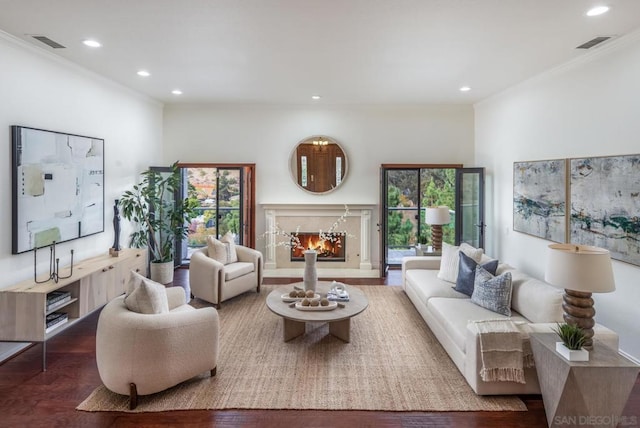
[[581, 270], [436, 217]]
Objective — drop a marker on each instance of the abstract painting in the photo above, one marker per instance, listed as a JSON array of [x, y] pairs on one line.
[[58, 187], [539, 198], [605, 204]]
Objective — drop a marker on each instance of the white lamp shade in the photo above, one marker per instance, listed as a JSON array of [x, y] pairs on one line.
[[437, 215], [580, 268]]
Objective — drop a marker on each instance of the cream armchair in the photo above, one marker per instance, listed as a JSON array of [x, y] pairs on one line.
[[215, 282], [141, 354]]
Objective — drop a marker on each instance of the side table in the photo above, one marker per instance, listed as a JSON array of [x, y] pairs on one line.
[[590, 393]]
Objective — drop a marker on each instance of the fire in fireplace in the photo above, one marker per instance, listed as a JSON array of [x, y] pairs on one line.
[[327, 251]]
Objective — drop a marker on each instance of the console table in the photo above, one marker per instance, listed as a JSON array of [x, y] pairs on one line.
[[589, 393], [95, 281]]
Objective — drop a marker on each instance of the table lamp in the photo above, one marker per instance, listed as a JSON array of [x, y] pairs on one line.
[[436, 217], [581, 270]]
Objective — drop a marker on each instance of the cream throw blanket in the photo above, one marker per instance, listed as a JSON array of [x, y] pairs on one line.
[[505, 350]]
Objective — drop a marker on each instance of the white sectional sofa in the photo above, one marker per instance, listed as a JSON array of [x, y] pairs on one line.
[[448, 313]]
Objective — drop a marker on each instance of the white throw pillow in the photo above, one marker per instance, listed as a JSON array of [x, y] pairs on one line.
[[217, 250], [229, 241], [450, 260], [149, 298]]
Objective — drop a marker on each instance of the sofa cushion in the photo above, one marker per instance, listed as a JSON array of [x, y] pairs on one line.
[[149, 298], [426, 285], [450, 260], [492, 292], [467, 273], [455, 314], [234, 270], [535, 299]]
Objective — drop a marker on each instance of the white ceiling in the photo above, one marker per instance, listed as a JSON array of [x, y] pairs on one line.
[[347, 51]]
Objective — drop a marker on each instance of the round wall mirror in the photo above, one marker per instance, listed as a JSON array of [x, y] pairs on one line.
[[318, 164]]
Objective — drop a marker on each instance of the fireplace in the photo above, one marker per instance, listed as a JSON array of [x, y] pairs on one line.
[[327, 251], [314, 217]]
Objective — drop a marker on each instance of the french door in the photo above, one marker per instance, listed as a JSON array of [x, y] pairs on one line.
[[407, 189], [225, 198]]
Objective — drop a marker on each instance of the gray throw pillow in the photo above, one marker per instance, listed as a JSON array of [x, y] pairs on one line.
[[492, 292], [467, 273]]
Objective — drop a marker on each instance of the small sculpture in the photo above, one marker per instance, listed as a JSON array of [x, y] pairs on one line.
[[54, 265], [114, 251]]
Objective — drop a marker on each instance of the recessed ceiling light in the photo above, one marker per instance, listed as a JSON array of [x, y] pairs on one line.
[[465, 89], [598, 10], [176, 92], [315, 97], [144, 73], [92, 43]]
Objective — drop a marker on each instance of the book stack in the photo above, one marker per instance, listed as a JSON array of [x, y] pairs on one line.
[[55, 320], [57, 298]]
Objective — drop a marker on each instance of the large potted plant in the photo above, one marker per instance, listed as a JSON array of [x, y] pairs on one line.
[[159, 217]]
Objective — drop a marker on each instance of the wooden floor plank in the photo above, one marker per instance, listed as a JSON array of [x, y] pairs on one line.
[[32, 398]]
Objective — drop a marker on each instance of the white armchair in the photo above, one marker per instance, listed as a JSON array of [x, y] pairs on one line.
[[139, 353], [216, 282]]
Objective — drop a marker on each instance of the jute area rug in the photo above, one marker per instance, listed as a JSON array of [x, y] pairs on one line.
[[392, 363]]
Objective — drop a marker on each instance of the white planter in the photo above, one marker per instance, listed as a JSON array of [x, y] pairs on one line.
[[162, 272], [579, 355]]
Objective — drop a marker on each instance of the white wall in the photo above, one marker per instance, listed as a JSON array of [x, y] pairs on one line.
[[266, 136], [41, 91], [586, 108]]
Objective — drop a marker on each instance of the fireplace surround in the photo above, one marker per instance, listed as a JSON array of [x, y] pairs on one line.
[[316, 217]]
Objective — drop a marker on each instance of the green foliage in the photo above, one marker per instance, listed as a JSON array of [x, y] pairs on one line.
[[437, 187], [158, 218], [571, 335], [400, 230]]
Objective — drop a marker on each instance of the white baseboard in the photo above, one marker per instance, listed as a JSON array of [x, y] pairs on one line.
[[9, 349]]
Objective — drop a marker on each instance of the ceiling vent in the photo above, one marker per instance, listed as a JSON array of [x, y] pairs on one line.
[[593, 42], [47, 41]]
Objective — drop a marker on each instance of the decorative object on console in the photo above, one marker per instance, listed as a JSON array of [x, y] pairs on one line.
[[114, 251], [539, 198], [54, 265], [573, 339], [58, 187], [159, 218], [581, 270], [436, 217], [605, 205]]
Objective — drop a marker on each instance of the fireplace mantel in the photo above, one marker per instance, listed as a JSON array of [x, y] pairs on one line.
[[311, 217]]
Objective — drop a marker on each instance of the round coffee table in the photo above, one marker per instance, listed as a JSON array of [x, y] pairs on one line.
[[339, 319]]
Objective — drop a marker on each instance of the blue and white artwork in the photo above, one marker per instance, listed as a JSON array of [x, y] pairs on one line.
[[539, 198], [605, 205]]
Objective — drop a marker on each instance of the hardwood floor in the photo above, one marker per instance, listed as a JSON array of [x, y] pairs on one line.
[[32, 398]]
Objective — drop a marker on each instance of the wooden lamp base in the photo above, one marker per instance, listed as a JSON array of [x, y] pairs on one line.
[[578, 310], [436, 237]]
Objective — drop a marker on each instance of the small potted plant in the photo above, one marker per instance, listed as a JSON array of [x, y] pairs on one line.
[[572, 338]]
